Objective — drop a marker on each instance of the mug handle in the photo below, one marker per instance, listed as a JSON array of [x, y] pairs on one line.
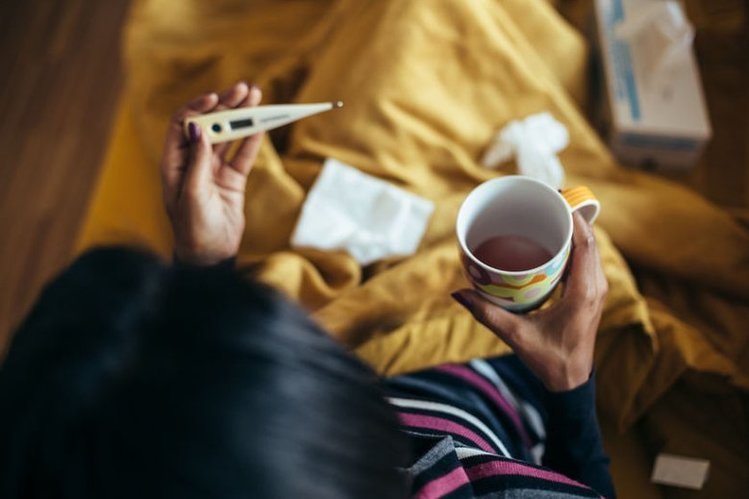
[[582, 199]]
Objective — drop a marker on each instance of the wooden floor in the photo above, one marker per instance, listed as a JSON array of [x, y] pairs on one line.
[[722, 49], [60, 85], [60, 82]]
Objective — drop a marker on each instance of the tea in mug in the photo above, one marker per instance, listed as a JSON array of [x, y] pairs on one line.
[[513, 253]]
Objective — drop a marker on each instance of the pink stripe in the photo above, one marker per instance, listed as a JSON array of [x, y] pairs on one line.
[[445, 425], [443, 485], [494, 468], [490, 391]]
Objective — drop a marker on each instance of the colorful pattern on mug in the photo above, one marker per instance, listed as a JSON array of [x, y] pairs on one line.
[[518, 292]]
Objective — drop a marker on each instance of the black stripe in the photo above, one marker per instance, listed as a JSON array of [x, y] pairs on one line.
[[418, 430], [521, 482], [442, 467], [465, 491], [483, 458]]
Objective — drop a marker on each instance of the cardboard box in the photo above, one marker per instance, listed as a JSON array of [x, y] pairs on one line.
[[654, 118]]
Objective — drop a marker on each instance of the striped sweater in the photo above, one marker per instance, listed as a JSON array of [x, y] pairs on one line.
[[489, 429]]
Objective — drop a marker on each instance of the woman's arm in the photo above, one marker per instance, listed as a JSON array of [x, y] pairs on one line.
[[573, 438], [557, 345]]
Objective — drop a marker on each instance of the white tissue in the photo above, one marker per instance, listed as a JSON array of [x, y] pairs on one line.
[[363, 215], [534, 142], [662, 36]]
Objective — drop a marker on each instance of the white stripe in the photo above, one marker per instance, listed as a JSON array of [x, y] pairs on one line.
[[534, 419], [448, 409], [531, 415], [488, 371], [537, 452], [466, 452]]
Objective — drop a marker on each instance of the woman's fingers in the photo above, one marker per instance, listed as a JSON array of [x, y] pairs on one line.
[[504, 324], [233, 96], [176, 144], [203, 104], [583, 282], [248, 149]]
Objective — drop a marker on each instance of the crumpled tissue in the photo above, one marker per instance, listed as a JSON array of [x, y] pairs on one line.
[[534, 142], [363, 215]]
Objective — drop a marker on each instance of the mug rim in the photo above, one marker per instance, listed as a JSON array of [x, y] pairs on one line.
[[513, 178]]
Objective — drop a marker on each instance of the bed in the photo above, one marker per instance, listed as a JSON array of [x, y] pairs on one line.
[[426, 85]]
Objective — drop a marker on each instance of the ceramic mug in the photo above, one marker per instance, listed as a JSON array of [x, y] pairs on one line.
[[520, 206]]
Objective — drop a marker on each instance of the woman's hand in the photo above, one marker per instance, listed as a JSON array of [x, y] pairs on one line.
[[555, 343], [204, 190]]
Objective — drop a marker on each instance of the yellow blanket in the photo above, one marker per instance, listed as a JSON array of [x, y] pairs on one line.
[[426, 84]]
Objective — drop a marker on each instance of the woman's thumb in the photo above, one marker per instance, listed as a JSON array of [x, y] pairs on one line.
[[199, 163], [501, 322]]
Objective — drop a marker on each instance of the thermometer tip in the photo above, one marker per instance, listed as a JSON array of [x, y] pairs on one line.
[[338, 104]]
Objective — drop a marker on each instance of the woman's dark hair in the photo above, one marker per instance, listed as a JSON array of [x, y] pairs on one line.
[[131, 378]]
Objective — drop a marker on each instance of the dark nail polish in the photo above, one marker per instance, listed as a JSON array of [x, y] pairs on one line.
[[194, 131], [460, 299]]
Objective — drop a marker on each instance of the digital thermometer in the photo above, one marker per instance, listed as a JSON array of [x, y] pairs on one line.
[[238, 123]]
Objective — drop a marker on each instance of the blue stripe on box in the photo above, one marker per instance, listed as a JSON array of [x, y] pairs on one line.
[[626, 87]]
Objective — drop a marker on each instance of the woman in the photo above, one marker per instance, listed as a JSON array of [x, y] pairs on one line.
[[135, 378]]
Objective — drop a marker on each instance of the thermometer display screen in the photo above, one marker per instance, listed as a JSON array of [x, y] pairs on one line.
[[241, 123]]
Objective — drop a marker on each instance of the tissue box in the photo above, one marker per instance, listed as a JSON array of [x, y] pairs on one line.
[[653, 113]]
